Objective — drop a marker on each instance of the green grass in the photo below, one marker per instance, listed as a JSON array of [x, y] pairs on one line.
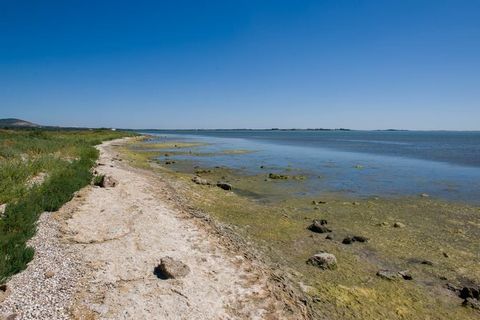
[[66, 157]]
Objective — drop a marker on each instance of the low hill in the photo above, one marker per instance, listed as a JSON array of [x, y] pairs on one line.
[[12, 123]]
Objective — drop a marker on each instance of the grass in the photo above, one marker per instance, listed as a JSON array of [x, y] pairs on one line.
[[66, 157], [278, 227]]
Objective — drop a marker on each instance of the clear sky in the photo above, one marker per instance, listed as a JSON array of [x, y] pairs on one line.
[[410, 64]]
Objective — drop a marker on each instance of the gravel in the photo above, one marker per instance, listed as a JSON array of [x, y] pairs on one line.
[[45, 290]]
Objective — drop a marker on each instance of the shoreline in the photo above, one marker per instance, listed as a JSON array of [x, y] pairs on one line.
[[446, 231], [116, 236]]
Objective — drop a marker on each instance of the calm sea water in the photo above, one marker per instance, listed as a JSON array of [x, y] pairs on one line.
[[359, 163]]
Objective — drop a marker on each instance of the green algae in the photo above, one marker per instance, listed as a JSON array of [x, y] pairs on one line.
[[273, 216]]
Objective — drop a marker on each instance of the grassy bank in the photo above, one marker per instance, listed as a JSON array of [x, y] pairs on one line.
[[39, 171], [438, 243]]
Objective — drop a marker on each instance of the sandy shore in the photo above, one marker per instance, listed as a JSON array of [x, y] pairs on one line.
[[95, 259]]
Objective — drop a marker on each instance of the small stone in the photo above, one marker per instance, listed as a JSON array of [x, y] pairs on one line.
[[319, 226], [348, 240], [224, 186], [3, 287], [445, 254], [49, 274], [389, 275], [3, 207], [323, 260], [360, 239], [427, 262], [170, 268], [470, 292], [108, 182], [200, 181], [471, 303], [424, 195], [398, 225], [406, 275], [275, 176]]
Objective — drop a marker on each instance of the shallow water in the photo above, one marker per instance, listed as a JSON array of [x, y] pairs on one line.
[[358, 163]]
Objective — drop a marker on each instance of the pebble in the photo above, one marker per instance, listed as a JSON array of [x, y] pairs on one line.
[[45, 290]]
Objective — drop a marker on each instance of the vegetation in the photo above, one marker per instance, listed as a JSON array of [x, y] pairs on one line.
[[63, 159]]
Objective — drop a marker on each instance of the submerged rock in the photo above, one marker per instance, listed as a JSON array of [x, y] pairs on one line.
[[170, 268], [277, 176], [319, 226], [224, 186], [323, 260]]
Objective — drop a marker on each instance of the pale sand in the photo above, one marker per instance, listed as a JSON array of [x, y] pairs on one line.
[[122, 233]]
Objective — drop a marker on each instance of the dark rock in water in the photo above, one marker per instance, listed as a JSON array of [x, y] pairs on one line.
[[389, 275], [319, 226], [169, 162], [224, 186], [348, 240], [471, 303], [170, 268], [262, 167], [470, 292], [203, 171], [199, 180], [277, 176], [360, 239], [323, 260]]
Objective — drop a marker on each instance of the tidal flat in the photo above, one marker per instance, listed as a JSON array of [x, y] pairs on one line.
[[433, 243]]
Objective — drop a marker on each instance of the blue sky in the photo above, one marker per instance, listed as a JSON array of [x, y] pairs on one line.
[[242, 64]]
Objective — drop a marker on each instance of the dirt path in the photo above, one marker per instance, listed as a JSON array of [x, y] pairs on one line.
[[124, 231]]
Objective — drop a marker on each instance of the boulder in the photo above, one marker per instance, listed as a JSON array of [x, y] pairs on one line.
[[224, 185], [170, 268], [323, 260], [319, 226]]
